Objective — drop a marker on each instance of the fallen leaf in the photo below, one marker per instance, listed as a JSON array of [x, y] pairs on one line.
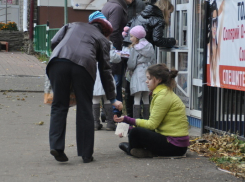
[[40, 123], [212, 149]]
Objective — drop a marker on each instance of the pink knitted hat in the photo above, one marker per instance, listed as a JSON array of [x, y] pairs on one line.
[[138, 31]]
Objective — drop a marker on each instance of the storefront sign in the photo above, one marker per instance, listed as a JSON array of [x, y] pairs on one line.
[[88, 4], [226, 45]]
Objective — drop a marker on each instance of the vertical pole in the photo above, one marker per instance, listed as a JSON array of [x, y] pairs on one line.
[[65, 13], [205, 109], [47, 35], [31, 20], [6, 11]]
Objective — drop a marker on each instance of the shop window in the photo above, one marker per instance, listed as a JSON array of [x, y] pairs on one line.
[[181, 26], [197, 62], [198, 40], [183, 61], [179, 57], [182, 78], [184, 28], [177, 27], [197, 95]]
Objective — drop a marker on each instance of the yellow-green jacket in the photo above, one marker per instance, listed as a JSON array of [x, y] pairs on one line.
[[167, 114]]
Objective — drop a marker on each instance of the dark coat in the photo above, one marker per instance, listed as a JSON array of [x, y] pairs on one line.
[[116, 12], [134, 8], [151, 18], [85, 45]]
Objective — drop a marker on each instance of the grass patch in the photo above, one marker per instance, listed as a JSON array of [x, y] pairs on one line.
[[42, 57]]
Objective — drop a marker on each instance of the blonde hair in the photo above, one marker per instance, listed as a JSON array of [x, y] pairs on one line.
[[136, 42], [165, 6]]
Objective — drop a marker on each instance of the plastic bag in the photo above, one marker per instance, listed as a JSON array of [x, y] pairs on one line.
[[48, 94], [128, 75]]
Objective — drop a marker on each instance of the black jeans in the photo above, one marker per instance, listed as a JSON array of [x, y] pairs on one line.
[[62, 75], [129, 100], [154, 142]]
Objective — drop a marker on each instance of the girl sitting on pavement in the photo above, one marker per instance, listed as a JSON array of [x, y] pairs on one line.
[[115, 57], [142, 55], [165, 133]]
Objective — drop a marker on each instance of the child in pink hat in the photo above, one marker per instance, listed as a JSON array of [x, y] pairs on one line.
[[138, 32], [142, 56]]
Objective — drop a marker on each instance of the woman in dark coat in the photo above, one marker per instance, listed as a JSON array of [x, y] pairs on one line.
[[77, 47], [134, 7], [116, 12], [153, 18]]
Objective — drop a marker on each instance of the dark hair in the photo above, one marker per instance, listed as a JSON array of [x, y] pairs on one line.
[[213, 7], [161, 71]]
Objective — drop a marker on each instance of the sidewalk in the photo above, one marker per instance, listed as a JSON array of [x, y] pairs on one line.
[[21, 72], [20, 64], [25, 147]]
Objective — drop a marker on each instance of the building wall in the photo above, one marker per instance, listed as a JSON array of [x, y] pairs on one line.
[[57, 3], [55, 15]]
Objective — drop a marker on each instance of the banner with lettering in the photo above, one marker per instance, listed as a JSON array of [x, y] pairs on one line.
[[88, 4], [226, 44]]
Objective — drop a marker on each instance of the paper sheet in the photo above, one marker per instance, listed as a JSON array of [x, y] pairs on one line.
[[122, 128]]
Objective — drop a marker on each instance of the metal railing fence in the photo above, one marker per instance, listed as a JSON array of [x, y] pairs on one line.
[[225, 111], [40, 38], [50, 34]]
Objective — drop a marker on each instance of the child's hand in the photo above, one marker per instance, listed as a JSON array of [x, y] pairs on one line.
[[118, 105], [118, 119], [126, 29], [124, 34], [120, 135]]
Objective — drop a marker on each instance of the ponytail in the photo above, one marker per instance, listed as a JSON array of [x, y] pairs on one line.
[[161, 71]]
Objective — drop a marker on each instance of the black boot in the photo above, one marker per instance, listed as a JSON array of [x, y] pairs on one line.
[[141, 153], [96, 114], [146, 111], [124, 146], [110, 126], [137, 110], [129, 100]]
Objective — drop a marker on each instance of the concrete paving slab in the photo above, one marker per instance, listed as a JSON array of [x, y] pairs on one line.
[[22, 83], [25, 152], [18, 63], [25, 148]]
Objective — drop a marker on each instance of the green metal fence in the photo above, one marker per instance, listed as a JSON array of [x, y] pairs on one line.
[[50, 34], [40, 38]]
